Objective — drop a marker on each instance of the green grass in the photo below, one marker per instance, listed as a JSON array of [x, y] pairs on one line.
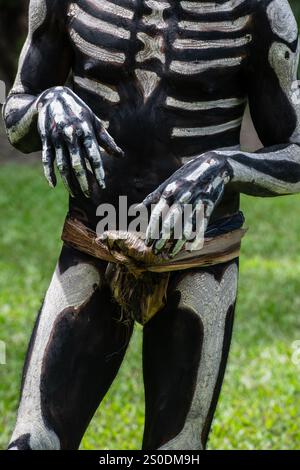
[[260, 402]]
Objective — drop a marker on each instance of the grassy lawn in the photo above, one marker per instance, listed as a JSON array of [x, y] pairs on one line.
[[260, 401]]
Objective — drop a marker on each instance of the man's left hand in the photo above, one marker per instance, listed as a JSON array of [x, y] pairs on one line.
[[199, 184]]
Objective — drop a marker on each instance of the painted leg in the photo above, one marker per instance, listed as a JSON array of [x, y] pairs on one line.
[[185, 353], [75, 352]]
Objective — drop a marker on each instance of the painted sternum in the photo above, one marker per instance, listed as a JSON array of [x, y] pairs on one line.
[[153, 46]]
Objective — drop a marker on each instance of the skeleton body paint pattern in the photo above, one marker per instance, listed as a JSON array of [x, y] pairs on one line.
[[271, 172], [63, 294], [201, 318], [170, 81], [76, 349]]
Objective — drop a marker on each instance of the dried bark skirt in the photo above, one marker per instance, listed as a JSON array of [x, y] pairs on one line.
[[137, 277]]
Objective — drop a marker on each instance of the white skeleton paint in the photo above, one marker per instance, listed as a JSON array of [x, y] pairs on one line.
[[211, 7], [200, 66], [96, 52], [148, 81], [104, 91], [216, 26], [152, 48], [91, 22], [204, 105], [282, 20], [210, 300], [210, 130], [71, 289], [156, 17], [217, 44], [112, 8]]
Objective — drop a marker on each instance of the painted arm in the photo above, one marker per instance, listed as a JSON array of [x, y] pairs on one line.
[[274, 99], [41, 113]]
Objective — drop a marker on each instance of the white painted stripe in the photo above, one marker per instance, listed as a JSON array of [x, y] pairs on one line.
[[216, 26], [155, 5], [153, 48], [148, 81], [204, 105], [282, 20], [216, 44], [200, 170], [228, 150], [210, 7], [290, 154], [105, 124], [20, 130], [92, 22], [96, 52], [14, 102], [112, 8], [156, 16], [204, 131], [194, 67], [105, 91], [243, 173]]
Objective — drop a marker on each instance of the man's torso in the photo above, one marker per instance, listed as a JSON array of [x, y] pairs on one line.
[[166, 77]]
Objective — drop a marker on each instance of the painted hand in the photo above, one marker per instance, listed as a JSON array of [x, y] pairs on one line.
[[71, 134], [183, 201]]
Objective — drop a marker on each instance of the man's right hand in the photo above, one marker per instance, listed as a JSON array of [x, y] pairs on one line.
[[71, 134]]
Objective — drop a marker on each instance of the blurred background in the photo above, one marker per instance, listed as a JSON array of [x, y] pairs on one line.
[[260, 401]]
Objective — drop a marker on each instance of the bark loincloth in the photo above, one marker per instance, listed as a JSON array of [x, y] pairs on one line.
[[137, 277]]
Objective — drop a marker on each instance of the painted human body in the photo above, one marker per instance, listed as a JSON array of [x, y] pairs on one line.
[[169, 80]]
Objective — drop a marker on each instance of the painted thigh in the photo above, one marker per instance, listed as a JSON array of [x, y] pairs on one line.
[[185, 353], [74, 354]]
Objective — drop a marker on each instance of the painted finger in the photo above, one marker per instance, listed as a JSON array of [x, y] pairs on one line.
[[48, 156], [63, 167], [211, 199], [42, 119], [152, 198], [106, 141], [152, 232], [186, 235], [94, 157], [171, 227], [185, 197], [198, 227], [193, 226], [79, 168], [177, 248]]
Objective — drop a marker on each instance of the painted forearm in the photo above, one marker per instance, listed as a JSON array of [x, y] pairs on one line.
[[20, 117], [201, 184], [273, 94], [270, 173]]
